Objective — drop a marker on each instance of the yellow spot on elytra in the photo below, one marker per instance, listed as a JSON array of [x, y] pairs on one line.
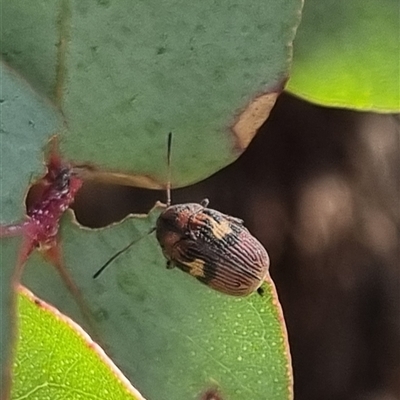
[[196, 268], [220, 229]]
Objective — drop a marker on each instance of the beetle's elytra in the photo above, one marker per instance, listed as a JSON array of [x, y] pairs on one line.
[[213, 247]]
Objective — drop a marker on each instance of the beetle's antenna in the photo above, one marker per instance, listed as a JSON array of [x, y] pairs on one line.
[[169, 145], [118, 253]]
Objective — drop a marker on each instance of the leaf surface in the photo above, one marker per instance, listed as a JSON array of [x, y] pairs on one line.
[[346, 54], [126, 73], [57, 359], [172, 336], [27, 122]]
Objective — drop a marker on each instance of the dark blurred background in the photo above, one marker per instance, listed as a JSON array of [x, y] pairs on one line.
[[319, 188]]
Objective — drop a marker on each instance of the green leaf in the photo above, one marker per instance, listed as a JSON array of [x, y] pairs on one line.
[[346, 54], [126, 73], [56, 359], [27, 122], [8, 256], [171, 336]]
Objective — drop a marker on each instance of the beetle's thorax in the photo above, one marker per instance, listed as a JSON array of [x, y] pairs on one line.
[[173, 224]]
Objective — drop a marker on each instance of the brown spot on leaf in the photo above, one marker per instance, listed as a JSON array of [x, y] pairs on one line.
[[212, 394], [250, 119], [38, 302], [89, 172]]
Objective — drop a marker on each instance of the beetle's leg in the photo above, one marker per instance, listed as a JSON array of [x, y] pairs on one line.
[[170, 264], [205, 202]]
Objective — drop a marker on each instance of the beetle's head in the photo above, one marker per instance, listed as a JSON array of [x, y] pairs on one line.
[[172, 224]]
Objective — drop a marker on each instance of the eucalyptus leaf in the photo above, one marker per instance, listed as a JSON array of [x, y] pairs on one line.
[[27, 121], [126, 73], [346, 54], [170, 335], [56, 359]]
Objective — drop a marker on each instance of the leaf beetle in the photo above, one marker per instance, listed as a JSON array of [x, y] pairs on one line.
[[213, 247]]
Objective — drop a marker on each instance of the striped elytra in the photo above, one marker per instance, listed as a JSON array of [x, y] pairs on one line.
[[213, 247]]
